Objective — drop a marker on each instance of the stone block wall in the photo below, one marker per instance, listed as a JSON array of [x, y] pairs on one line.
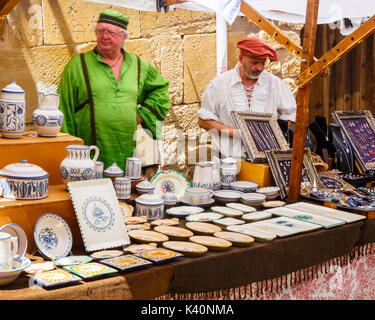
[[40, 36]]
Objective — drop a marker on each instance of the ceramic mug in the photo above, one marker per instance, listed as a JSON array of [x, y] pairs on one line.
[[198, 195], [99, 168], [133, 168], [122, 188], [8, 250]]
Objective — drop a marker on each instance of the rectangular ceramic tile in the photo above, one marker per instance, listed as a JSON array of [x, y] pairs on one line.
[[55, 277], [293, 225], [126, 262], [307, 217], [326, 212], [90, 270], [271, 228]]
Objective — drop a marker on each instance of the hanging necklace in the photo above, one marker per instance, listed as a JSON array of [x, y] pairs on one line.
[[117, 60]]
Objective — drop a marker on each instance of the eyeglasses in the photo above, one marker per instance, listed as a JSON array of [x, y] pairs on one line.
[[100, 32]]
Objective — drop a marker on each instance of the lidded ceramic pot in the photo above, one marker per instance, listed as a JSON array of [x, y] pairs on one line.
[[12, 111], [113, 171], [47, 118], [149, 205], [228, 171], [25, 181], [170, 198], [78, 165], [144, 187]]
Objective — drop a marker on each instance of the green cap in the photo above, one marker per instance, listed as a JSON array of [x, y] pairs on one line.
[[114, 17]]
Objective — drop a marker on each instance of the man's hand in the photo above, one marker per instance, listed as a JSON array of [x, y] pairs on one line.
[[139, 119]]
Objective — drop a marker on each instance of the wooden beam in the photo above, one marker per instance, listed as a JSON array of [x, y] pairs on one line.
[[344, 46], [271, 29], [303, 100], [6, 6], [172, 2]]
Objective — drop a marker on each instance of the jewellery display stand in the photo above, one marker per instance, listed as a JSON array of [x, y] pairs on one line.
[[359, 129], [47, 153]]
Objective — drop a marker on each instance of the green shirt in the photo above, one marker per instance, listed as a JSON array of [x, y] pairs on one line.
[[115, 104]]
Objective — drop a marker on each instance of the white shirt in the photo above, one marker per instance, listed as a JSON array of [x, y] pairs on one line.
[[226, 93]]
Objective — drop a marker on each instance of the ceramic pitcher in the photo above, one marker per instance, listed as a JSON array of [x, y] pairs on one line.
[[12, 111], [206, 175], [78, 165], [8, 250], [47, 118]]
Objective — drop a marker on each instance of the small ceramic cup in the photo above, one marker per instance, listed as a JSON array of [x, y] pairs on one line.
[[198, 195], [99, 167], [133, 168], [122, 188], [8, 250]]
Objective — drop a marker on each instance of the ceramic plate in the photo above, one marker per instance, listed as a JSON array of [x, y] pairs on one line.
[[165, 222], [147, 236], [268, 190], [106, 254], [40, 267], [55, 277], [139, 226], [139, 248], [258, 235], [326, 222], [185, 247], [160, 255], [244, 186], [135, 220], [52, 236], [253, 197], [225, 222], [127, 262], [89, 270], [273, 204], [206, 204], [17, 231], [174, 232], [202, 227], [325, 211], [184, 210], [227, 195], [204, 216], [237, 239], [73, 260], [255, 216], [212, 243], [228, 212], [170, 181], [241, 207]]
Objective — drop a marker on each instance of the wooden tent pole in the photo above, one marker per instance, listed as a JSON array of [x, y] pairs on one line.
[[6, 6], [303, 99]]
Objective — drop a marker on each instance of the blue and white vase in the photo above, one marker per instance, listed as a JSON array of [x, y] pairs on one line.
[[12, 111], [47, 118], [78, 165], [24, 181], [228, 172], [133, 168]]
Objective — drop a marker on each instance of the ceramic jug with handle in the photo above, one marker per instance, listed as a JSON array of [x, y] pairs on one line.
[[78, 165], [47, 118], [206, 175], [12, 111]]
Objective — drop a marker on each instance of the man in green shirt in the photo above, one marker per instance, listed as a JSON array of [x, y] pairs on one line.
[[125, 91]]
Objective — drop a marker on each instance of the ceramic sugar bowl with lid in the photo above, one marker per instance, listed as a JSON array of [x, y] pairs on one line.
[[113, 171], [144, 187], [228, 172], [149, 205], [24, 181], [12, 111]]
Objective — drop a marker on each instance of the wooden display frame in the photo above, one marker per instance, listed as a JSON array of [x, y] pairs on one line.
[[275, 156], [345, 185], [255, 141], [341, 117]]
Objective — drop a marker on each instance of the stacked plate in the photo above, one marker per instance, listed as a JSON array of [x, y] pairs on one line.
[[227, 196], [253, 199], [244, 186], [271, 193]]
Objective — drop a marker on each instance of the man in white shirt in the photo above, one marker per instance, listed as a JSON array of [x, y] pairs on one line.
[[247, 87]]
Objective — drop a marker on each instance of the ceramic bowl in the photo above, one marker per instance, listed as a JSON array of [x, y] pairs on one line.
[[227, 196], [244, 186], [149, 205], [170, 199], [18, 264]]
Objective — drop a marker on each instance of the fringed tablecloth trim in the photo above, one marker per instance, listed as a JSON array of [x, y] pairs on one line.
[[258, 288]]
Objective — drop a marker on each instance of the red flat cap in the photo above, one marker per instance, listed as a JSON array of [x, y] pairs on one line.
[[257, 49]]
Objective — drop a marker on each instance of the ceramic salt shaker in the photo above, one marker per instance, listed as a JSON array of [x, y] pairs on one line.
[[12, 111], [47, 118]]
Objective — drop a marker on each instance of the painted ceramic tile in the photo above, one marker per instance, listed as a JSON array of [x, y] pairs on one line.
[[160, 255], [127, 262], [55, 277], [91, 269]]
